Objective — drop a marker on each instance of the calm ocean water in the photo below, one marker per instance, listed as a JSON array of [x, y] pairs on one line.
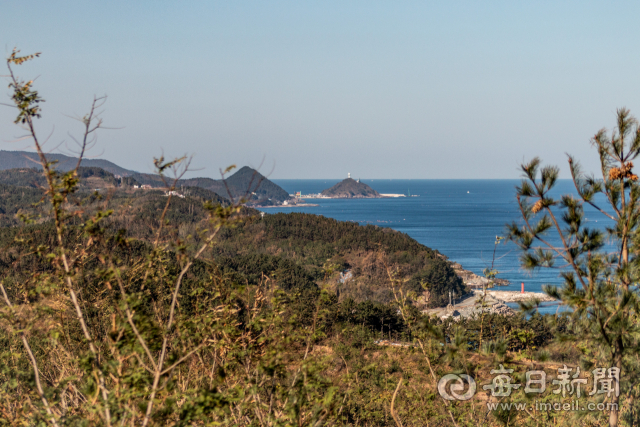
[[459, 218]]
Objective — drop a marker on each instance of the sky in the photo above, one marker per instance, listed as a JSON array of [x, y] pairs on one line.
[[303, 89]]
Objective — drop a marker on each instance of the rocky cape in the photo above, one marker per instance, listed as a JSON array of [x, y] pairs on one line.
[[494, 301], [350, 189], [474, 281]]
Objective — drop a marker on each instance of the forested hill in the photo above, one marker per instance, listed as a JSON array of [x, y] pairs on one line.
[[246, 182], [90, 178], [297, 251], [21, 191], [350, 189], [369, 253]]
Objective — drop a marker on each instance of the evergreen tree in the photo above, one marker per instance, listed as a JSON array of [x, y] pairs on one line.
[[600, 281]]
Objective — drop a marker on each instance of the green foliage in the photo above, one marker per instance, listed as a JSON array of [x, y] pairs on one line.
[[26, 99], [23, 178], [599, 284], [14, 201], [311, 241], [125, 307], [441, 279], [286, 273]]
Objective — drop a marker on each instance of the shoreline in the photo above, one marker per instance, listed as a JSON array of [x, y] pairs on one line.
[[299, 205], [381, 196], [494, 302]]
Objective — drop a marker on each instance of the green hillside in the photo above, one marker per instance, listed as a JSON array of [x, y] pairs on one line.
[[244, 183], [263, 291], [125, 306], [262, 190], [297, 244], [368, 252]]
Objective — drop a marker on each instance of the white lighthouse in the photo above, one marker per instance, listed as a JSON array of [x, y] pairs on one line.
[[348, 174]]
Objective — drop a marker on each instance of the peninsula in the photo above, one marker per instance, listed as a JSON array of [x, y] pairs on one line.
[[263, 192], [350, 189]]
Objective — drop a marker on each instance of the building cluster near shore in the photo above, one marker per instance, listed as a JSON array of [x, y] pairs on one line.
[[299, 195]]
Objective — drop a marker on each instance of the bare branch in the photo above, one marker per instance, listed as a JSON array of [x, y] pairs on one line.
[[394, 414], [34, 365]]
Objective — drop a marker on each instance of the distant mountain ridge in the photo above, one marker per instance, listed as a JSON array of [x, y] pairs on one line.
[[262, 191], [351, 189], [26, 159]]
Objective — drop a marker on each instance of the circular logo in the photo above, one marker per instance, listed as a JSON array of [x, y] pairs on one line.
[[455, 384]]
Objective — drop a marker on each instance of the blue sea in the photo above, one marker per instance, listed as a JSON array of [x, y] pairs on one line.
[[459, 218]]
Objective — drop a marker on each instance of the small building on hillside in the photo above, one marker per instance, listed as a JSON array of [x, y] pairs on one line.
[[173, 193]]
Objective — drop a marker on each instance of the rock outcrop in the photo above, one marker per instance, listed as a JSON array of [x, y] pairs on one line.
[[474, 281], [350, 189]]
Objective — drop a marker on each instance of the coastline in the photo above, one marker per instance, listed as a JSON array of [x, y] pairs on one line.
[[495, 302], [299, 205], [380, 196]]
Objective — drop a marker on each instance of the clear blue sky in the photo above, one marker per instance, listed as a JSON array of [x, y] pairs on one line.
[[450, 89]]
